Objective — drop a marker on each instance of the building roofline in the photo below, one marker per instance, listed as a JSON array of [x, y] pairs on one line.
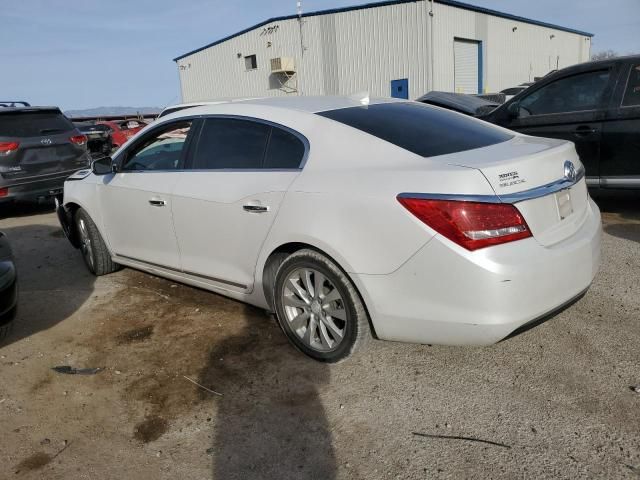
[[451, 3]]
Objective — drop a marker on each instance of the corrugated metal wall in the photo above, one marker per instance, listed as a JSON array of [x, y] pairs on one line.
[[347, 52]]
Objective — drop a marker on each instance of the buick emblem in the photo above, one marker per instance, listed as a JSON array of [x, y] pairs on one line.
[[569, 171], [46, 141]]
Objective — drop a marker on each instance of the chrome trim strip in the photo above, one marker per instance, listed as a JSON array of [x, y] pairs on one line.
[[177, 270], [530, 194], [593, 181], [543, 190], [452, 196], [630, 181]]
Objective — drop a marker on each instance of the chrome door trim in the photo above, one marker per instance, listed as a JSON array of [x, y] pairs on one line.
[[628, 181], [186, 272]]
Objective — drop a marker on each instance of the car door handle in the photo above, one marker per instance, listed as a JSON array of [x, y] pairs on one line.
[[255, 208], [157, 203], [584, 130]]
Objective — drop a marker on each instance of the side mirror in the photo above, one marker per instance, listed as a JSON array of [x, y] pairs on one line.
[[514, 109], [102, 166]]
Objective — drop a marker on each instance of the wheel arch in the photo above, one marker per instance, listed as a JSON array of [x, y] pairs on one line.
[[277, 256]]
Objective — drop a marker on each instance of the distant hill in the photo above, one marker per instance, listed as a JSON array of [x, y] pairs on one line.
[[107, 111]]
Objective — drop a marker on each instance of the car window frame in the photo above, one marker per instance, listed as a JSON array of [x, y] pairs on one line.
[[187, 166], [121, 157], [627, 76], [606, 93]]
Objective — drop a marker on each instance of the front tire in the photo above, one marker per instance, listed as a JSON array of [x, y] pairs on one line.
[[318, 307], [94, 251]]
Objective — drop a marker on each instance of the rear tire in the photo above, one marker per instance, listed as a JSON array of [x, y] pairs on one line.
[[94, 251], [318, 307]]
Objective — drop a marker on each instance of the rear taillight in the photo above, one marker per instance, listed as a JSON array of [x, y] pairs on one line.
[[4, 192], [79, 139], [8, 147], [472, 225]]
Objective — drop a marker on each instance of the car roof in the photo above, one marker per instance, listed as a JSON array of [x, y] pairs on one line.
[[309, 104], [29, 109]]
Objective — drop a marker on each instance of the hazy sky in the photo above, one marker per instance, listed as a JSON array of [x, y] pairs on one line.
[[93, 53]]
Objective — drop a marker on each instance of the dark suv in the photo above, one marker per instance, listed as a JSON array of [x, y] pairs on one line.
[[597, 106], [39, 149]]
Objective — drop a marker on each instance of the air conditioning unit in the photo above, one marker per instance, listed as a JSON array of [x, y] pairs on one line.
[[283, 65]]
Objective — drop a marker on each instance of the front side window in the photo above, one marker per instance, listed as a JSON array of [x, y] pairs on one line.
[[229, 143], [632, 92], [571, 94], [162, 151]]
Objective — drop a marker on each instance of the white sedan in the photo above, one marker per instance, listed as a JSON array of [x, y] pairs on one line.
[[348, 218]]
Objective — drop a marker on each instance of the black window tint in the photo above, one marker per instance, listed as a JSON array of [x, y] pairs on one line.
[[33, 124], [419, 128], [571, 94], [231, 143], [161, 151], [285, 150], [632, 92]]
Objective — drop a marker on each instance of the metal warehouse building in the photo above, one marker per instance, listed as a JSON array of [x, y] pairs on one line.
[[401, 48]]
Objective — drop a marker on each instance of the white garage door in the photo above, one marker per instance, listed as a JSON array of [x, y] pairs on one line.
[[466, 66]]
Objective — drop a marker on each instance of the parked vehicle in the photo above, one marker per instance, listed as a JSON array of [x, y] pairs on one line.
[[596, 105], [98, 137], [122, 130], [338, 214], [513, 91], [39, 148], [8, 287], [459, 102]]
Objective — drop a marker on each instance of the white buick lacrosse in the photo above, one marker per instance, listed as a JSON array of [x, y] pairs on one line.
[[347, 218]]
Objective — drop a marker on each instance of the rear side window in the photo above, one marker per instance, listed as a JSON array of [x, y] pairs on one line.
[[632, 92], [421, 129], [33, 124], [227, 143], [285, 150]]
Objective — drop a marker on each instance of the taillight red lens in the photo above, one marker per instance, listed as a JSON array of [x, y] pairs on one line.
[[472, 225], [4, 192], [7, 147], [79, 139]]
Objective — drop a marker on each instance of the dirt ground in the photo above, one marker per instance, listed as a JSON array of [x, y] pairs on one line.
[[555, 401]]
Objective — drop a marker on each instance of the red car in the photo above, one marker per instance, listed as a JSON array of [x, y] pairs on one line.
[[122, 130]]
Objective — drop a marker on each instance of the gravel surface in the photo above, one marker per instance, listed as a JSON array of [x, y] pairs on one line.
[[556, 401]]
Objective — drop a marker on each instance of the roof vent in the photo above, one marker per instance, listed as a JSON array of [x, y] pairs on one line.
[[283, 65]]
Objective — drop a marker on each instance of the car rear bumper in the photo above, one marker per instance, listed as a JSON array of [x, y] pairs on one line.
[[447, 295], [46, 186]]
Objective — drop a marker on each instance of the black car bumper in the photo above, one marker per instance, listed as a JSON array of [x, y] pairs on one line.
[[65, 217], [45, 186], [8, 291]]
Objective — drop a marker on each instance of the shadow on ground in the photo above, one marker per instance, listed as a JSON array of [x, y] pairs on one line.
[[53, 281], [270, 421]]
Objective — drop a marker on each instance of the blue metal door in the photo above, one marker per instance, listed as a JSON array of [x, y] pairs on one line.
[[400, 88]]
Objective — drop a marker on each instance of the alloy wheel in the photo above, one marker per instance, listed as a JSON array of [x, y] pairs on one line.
[[314, 309]]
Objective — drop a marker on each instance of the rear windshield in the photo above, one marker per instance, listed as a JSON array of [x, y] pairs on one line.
[[33, 124], [419, 128]]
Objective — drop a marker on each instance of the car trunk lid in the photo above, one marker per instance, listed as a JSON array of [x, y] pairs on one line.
[[542, 177]]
